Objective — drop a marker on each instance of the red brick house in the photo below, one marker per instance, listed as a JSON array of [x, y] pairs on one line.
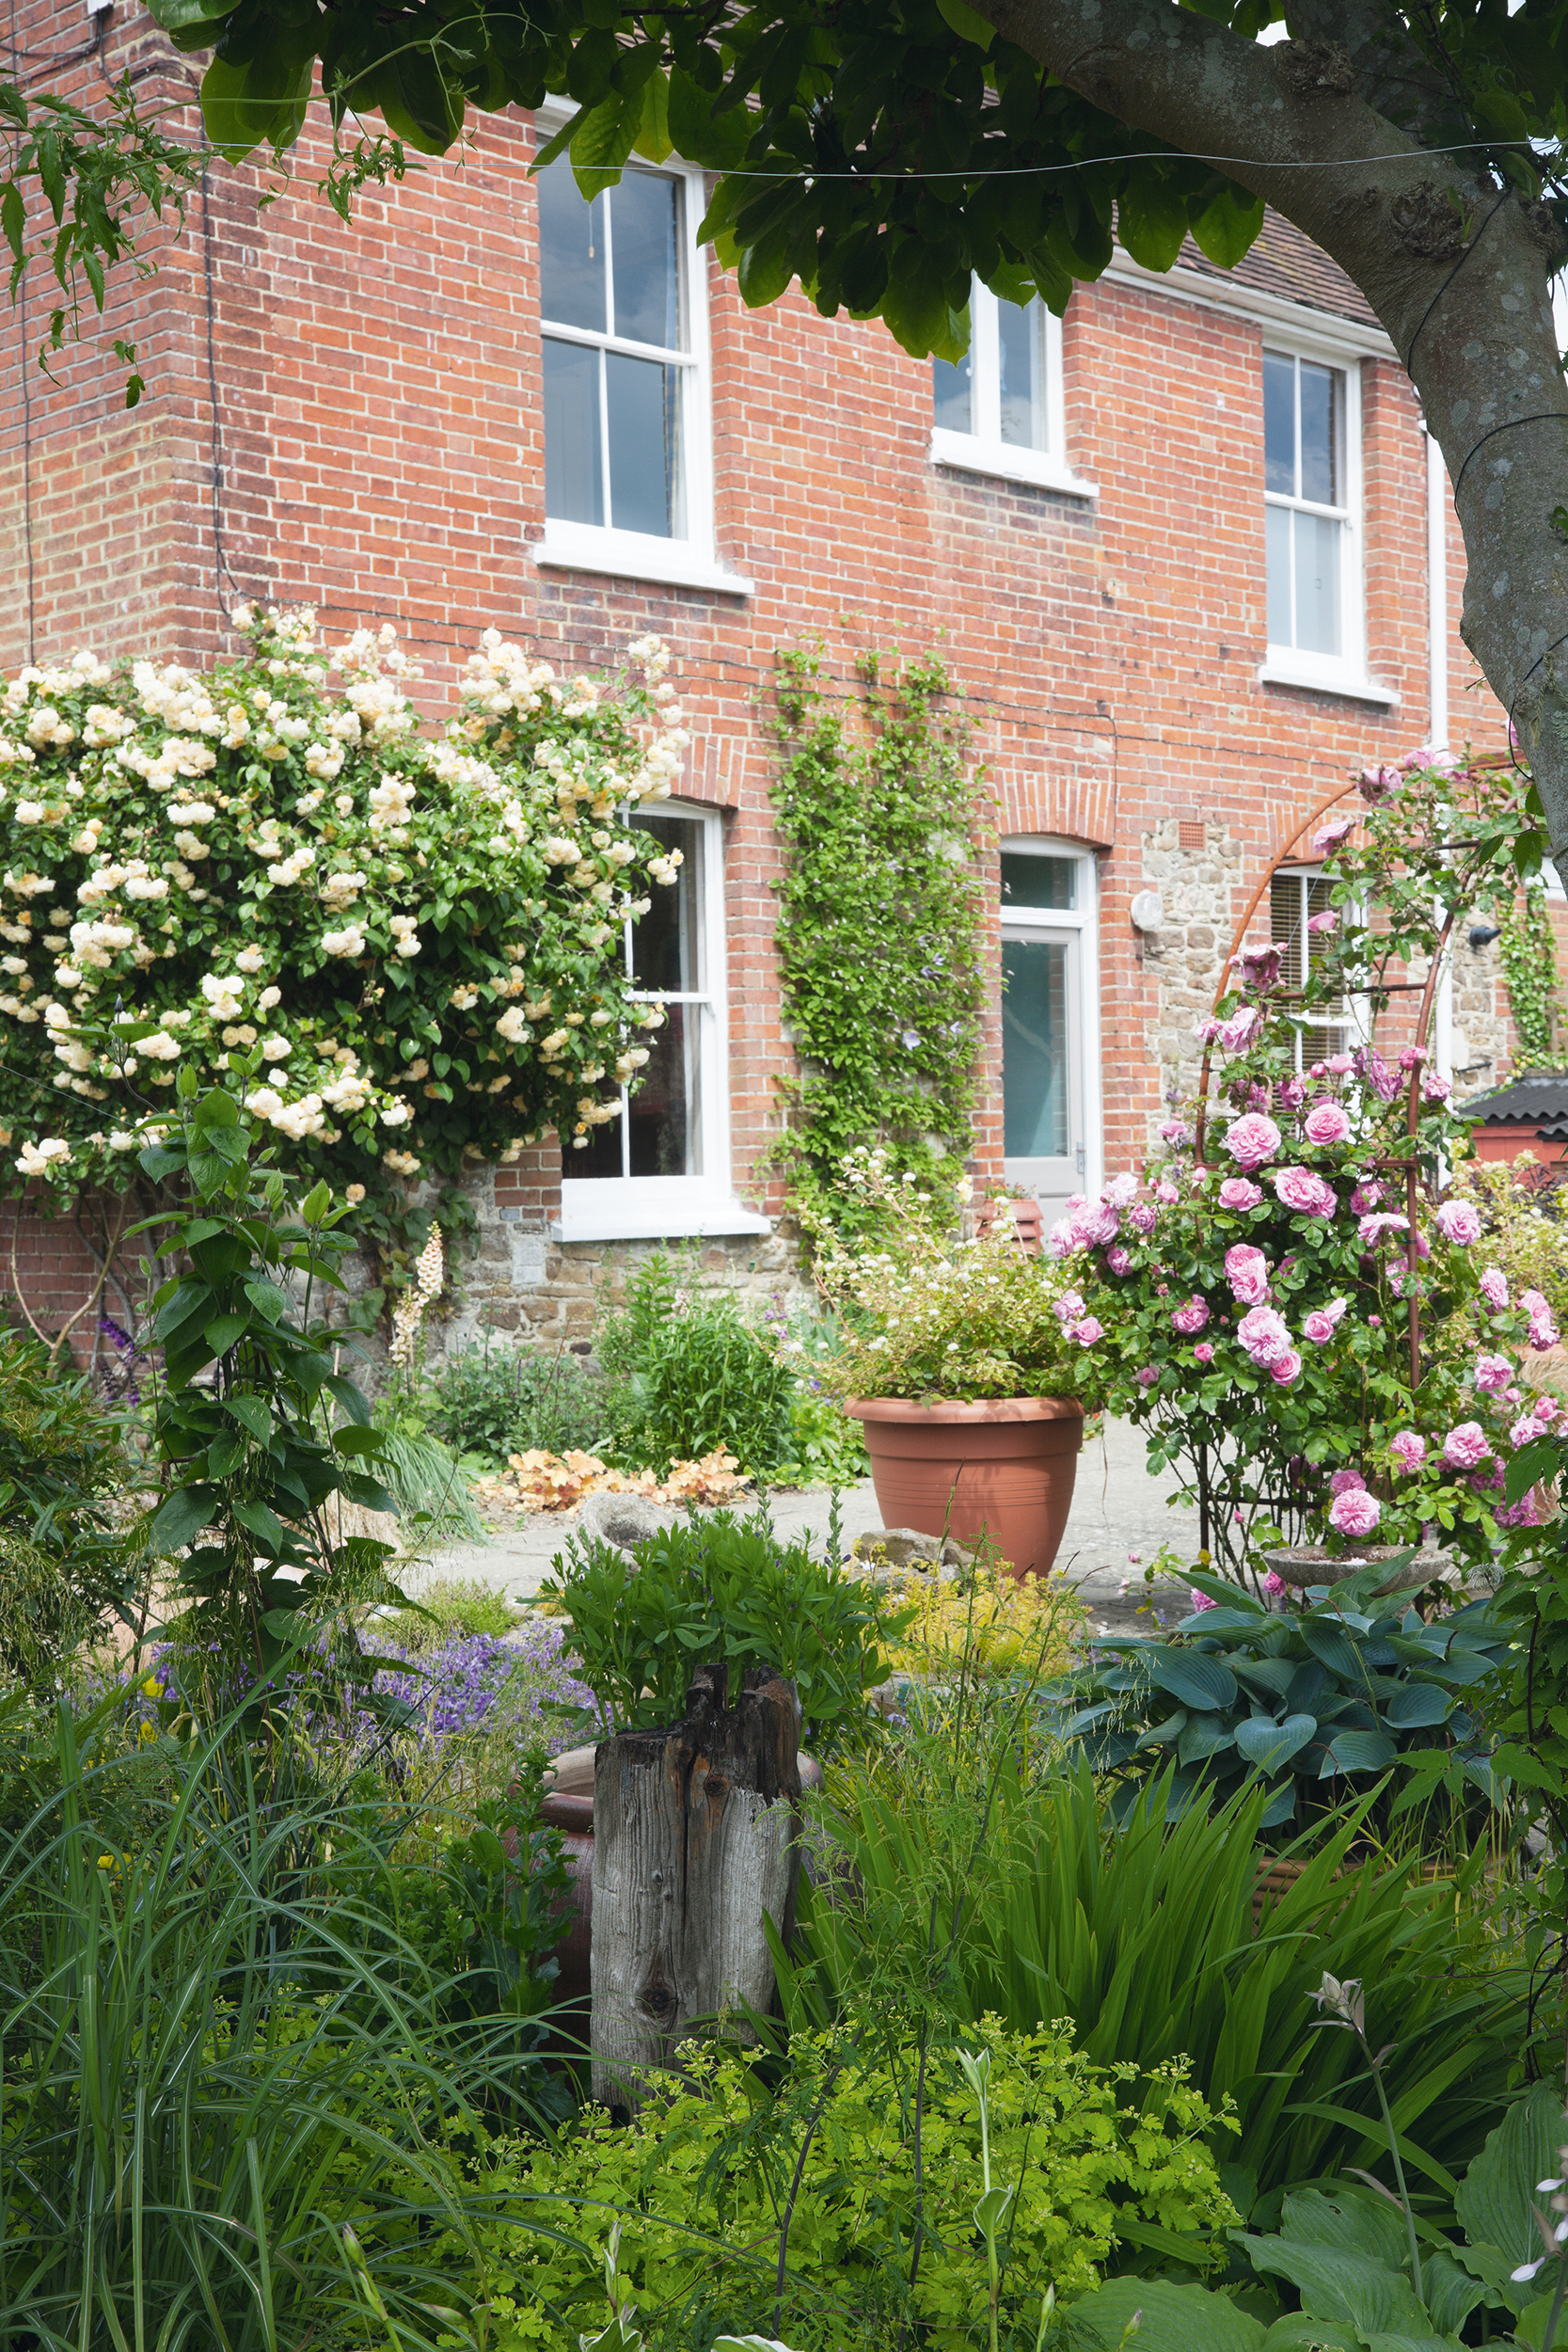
[[1188, 553]]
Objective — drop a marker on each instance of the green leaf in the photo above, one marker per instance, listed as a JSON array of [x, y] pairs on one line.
[[699, 134], [1362, 1752], [261, 102], [1270, 1746], [1151, 219], [182, 1515], [1335, 2283], [1356, 2221], [263, 1524], [267, 1299], [251, 1413], [1418, 1708], [348, 1399], [1493, 2205], [1175, 2318], [1225, 224], [1198, 1681], [222, 1333], [966, 24]]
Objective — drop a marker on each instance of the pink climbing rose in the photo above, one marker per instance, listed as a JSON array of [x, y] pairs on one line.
[[1263, 1334], [1355, 1512], [1494, 1287], [1459, 1221], [1201, 1600], [1246, 1270], [1239, 1192], [1492, 1374], [1320, 1325], [1285, 1367], [1410, 1448], [1086, 1332], [1190, 1318], [1327, 1123], [1298, 1188], [1542, 1331], [1252, 1139], [1466, 1447], [1203, 1353], [1346, 1482]]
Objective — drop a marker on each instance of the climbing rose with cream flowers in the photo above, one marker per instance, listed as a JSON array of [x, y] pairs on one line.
[[403, 948]]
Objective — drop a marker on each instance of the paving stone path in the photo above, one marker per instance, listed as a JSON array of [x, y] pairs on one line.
[[1118, 1510]]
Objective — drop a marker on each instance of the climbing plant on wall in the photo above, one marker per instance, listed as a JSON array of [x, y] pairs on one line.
[[880, 929], [1528, 949]]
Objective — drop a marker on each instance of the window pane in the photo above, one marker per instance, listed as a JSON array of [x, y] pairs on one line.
[[1277, 521], [1320, 434], [1038, 881], [1034, 1073], [1021, 335], [1279, 423], [647, 287], [573, 485], [954, 395], [1317, 584], [666, 945], [662, 1113], [644, 489], [1288, 925], [601, 1154], [571, 252]]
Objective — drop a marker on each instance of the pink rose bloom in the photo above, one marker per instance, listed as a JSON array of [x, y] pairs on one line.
[[1121, 1190], [1252, 1139], [1513, 1396], [1328, 921], [1546, 1409], [1524, 1432], [1346, 1482], [1435, 1087], [1263, 1335], [1201, 1600], [1203, 1353], [1273, 1585], [1285, 1367], [1118, 1259], [1237, 1033], [1190, 1318], [1239, 1192], [1293, 1093], [1458, 1221], [1319, 1324], [1327, 1123], [1372, 1229], [1341, 1064], [1068, 1307], [1492, 1374], [1086, 1332], [1542, 1331], [1355, 1514], [1246, 1270], [1149, 1376], [1494, 1287], [1142, 1217], [1412, 1059], [1466, 1447], [1173, 1132], [1522, 1514], [1298, 1188], [1096, 1223], [1411, 1449], [1164, 1190], [1330, 836]]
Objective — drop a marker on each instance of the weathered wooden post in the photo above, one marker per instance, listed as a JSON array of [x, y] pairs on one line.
[[696, 1836]]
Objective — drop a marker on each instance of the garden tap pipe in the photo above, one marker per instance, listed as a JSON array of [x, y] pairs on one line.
[[1241, 933]]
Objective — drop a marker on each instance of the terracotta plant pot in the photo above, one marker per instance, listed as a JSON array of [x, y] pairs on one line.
[[1028, 1223], [1003, 1470]]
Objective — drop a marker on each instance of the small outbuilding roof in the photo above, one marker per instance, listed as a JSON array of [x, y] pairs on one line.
[[1536, 1095]]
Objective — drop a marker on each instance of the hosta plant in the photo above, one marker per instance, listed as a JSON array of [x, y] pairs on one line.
[[420, 932], [1307, 1704]]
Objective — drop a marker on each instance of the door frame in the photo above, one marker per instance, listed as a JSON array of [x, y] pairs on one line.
[[1083, 919]]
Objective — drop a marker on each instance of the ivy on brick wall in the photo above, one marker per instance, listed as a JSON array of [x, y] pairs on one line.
[[880, 927], [1528, 949]]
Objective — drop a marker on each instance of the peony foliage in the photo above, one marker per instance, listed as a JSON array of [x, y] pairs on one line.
[[402, 948]]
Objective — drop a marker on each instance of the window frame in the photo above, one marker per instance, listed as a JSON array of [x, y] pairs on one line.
[[656, 1208], [691, 561], [1352, 1020], [1345, 672], [985, 452], [1083, 919]]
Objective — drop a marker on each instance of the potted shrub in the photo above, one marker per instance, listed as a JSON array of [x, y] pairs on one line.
[[970, 1363]]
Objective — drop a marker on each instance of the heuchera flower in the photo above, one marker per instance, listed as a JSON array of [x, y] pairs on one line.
[[1459, 1221], [1410, 1449], [1492, 1374], [1190, 1318], [1239, 1192], [1494, 1287], [1263, 1335], [1298, 1188], [1466, 1447], [1355, 1512], [1327, 1123], [1246, 1270], [1252, 1139]]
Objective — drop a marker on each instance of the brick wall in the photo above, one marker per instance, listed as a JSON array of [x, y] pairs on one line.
[[377, 442]]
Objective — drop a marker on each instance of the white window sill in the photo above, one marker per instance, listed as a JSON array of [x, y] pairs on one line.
[[690, 1219], [632, 555], [1004, 460], [1280, 669]]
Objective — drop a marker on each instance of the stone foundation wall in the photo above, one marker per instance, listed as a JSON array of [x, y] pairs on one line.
[[1200, 889]]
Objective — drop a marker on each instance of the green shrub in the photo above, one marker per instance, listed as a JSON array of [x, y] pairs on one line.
[[451, 1605], [717, 1590], [697, 1376], [61, 1458], [498, 1401], [423, 1477], [1307, 1702], [701, 2182], [1027, 1902]]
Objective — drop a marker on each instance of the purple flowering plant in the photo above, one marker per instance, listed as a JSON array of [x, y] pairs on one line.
[[1281, 1294]]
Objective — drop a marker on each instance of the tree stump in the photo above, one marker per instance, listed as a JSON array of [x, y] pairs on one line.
[[696, 1836]]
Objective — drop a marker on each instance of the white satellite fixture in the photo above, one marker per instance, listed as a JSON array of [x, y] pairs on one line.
[[1147, 911]]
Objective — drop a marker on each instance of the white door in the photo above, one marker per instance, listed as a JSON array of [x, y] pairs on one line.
[[1049, 1097]]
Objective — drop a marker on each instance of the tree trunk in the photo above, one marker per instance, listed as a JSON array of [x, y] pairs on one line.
[[1458, 270], [696, 1836]]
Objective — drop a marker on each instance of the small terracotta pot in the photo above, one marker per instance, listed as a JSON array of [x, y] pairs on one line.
[[1028, 1223], [1003, 1469]]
